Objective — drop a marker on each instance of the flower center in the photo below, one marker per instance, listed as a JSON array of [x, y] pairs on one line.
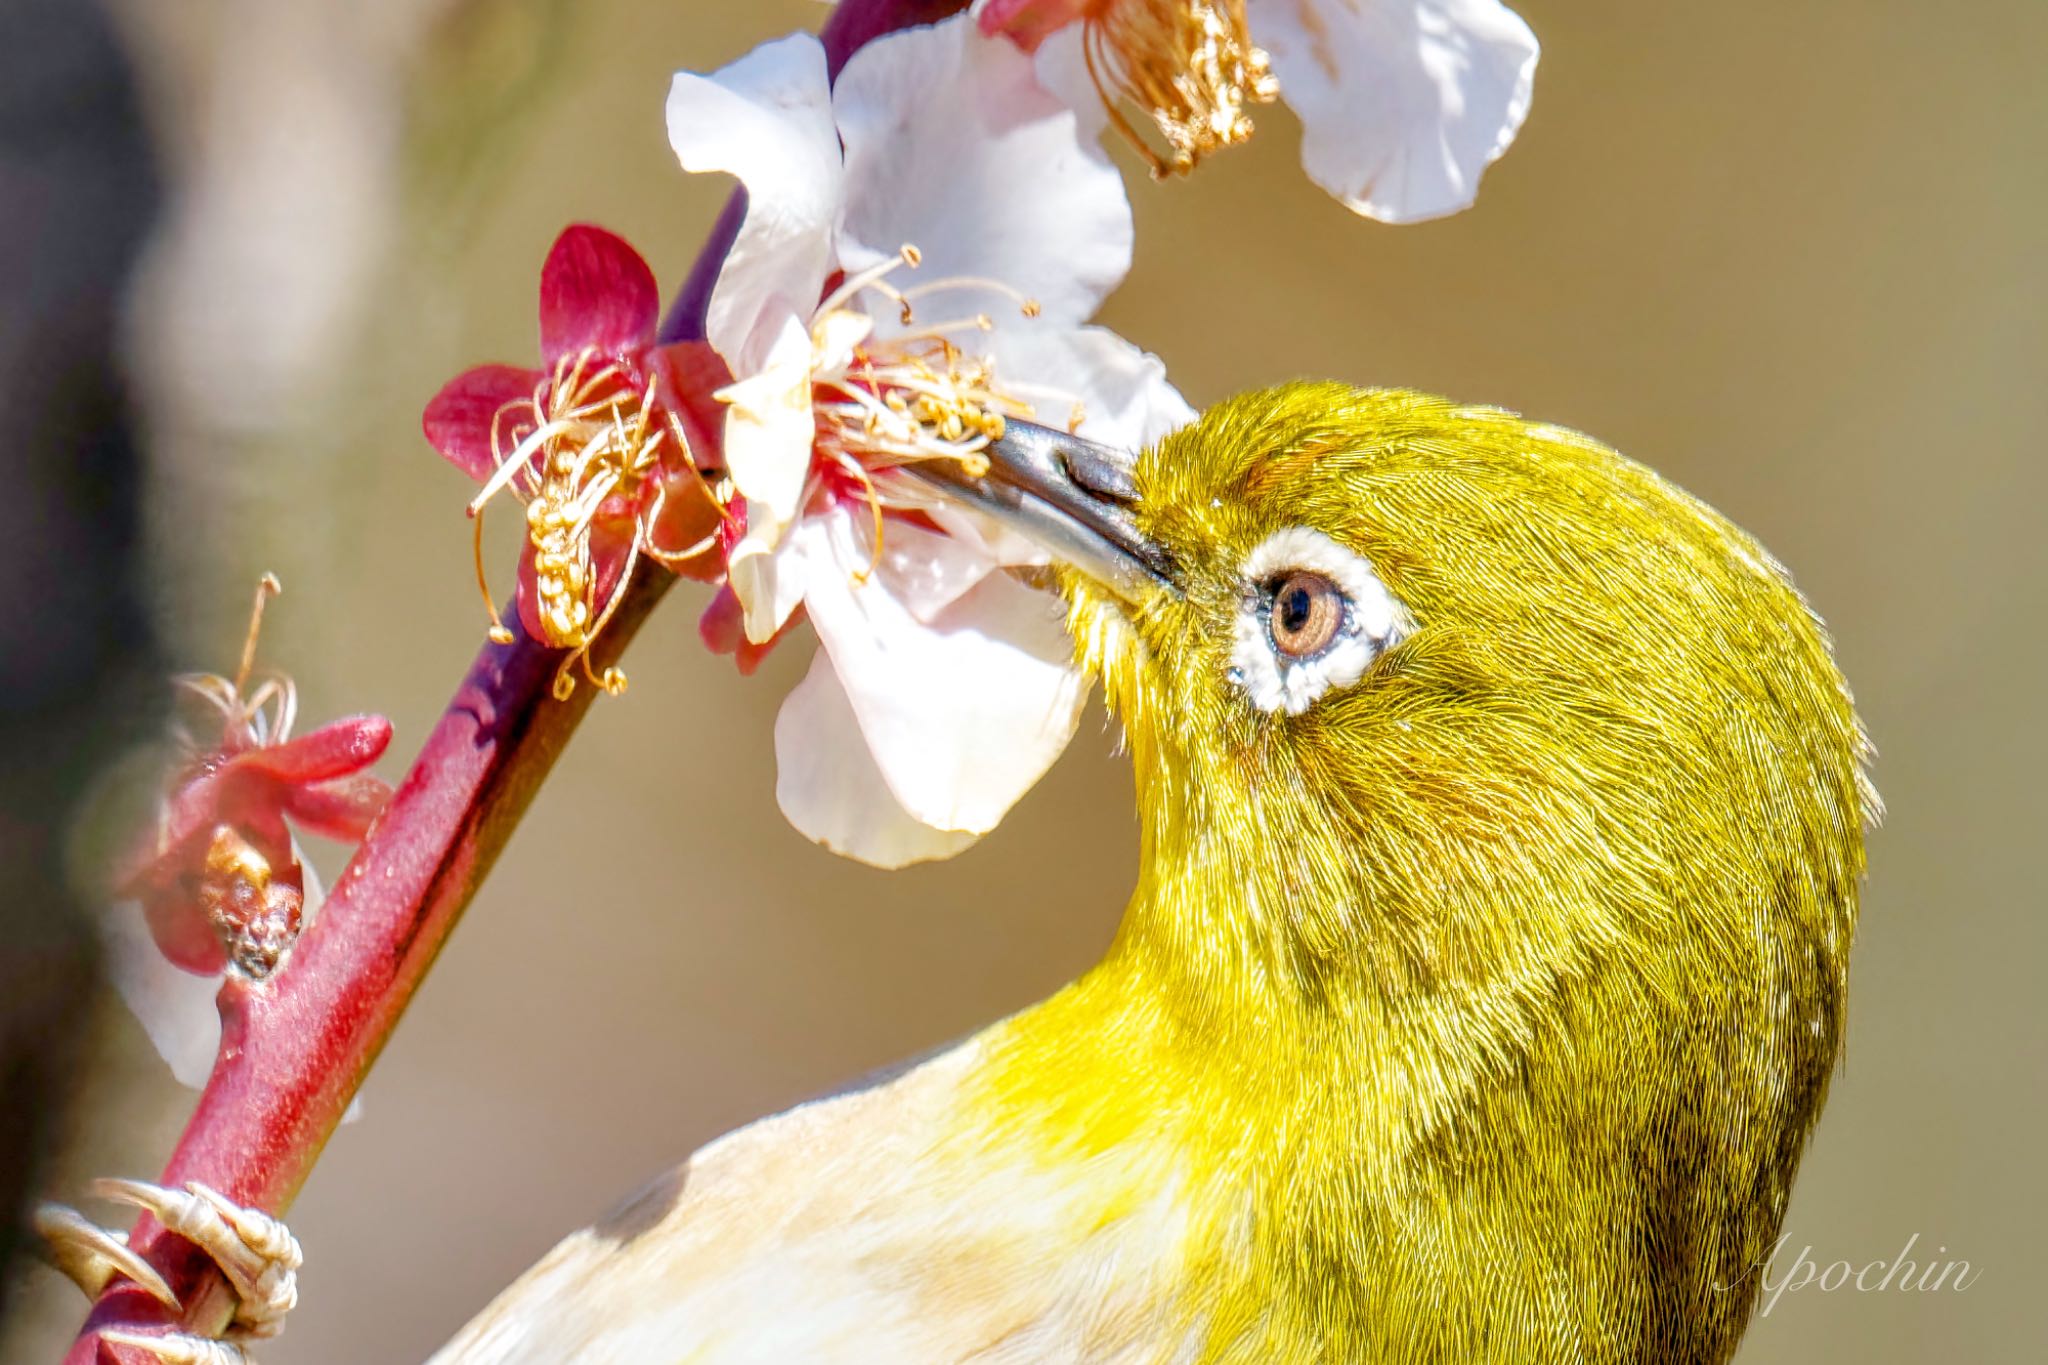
[[914, 395], [1191, 64], [884, 401], [586, 436]]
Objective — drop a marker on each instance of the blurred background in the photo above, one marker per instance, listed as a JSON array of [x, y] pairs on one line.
[[1788, 254]]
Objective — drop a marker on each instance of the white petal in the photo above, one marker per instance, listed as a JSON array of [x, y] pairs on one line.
[[769, 428], [828, 785], [1061, 65], [984, 536], [1402, 102], [768, 580], [927, 572], [1124, 397], [954, 146], [964, 714], [175, 1007], [767, 119]]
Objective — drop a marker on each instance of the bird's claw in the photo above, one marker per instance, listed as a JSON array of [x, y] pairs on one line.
[[257, 1254], [89, 1255]]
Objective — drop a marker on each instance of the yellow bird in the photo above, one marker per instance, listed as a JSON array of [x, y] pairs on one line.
[[1502, 818]]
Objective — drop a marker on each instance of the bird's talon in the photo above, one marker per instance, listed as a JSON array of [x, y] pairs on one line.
[[90, 1255], [179, 1348], [257, 1254]]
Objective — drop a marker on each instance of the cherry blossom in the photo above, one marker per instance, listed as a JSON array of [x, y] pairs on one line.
[[219, 883], [602, 443], [923, 245], [1403, 103]]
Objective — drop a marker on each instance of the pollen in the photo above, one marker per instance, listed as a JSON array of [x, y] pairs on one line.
[[1191, 65], [585, 437], [921, 393]]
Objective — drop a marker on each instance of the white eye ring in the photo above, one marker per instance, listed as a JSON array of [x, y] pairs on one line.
[[1373, 622]]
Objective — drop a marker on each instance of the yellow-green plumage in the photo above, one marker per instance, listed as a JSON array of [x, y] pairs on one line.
[[1478, 1012], [1489, 1003]]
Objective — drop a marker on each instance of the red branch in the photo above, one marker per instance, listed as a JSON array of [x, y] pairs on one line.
[[295, 1047]]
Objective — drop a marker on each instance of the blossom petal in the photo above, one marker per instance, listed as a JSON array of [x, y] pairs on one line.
[[928, 573], [690, 373], [458, 421], [769, 427], [768, 579], [1124, 398], [343, 809], [828, 785], [184, 936], [963, 715], [597, 292], [723, 631], [685, 532], [336, 749], [1005, 184], [1402, 102], [767, 119], [175, 1007]]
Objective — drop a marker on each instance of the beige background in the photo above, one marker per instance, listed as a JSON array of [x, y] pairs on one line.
[[1784, 252]]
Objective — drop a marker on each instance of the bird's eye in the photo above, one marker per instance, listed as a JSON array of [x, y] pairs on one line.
[[1313, 616], [1308, 610]]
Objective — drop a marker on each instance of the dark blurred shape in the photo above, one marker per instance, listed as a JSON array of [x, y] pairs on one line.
[[77, 660]]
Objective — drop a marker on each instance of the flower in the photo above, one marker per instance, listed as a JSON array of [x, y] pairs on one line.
[[219, 879], [601, 443], [1403, 103], [922, 247], [219, 884]]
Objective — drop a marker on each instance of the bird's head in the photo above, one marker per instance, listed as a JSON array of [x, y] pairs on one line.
[[1431, 698], [1502, 815], [1436, 711]]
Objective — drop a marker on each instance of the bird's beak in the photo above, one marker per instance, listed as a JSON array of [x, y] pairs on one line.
[[1069, 495]]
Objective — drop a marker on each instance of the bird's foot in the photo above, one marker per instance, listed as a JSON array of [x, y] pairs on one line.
[[257, 1254]]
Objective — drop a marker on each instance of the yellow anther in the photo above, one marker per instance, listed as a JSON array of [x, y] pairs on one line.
[[582, 437], [1190, 64]]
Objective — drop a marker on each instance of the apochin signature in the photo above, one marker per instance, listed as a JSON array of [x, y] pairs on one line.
[[1872, 1277]]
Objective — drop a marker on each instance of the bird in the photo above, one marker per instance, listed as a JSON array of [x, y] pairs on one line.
[[1502, 815]]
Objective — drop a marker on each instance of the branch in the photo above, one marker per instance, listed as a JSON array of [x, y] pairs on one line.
[[295, 1047]]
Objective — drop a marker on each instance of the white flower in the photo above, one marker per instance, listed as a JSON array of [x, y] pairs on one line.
[[1403, 103], [922, 246]]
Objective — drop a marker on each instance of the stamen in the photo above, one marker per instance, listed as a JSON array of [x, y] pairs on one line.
[[907, 254], [497, 633], [853, 466], [1190, 64], [267, 587], [1025, 303], [591, 438], [260, 718]]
